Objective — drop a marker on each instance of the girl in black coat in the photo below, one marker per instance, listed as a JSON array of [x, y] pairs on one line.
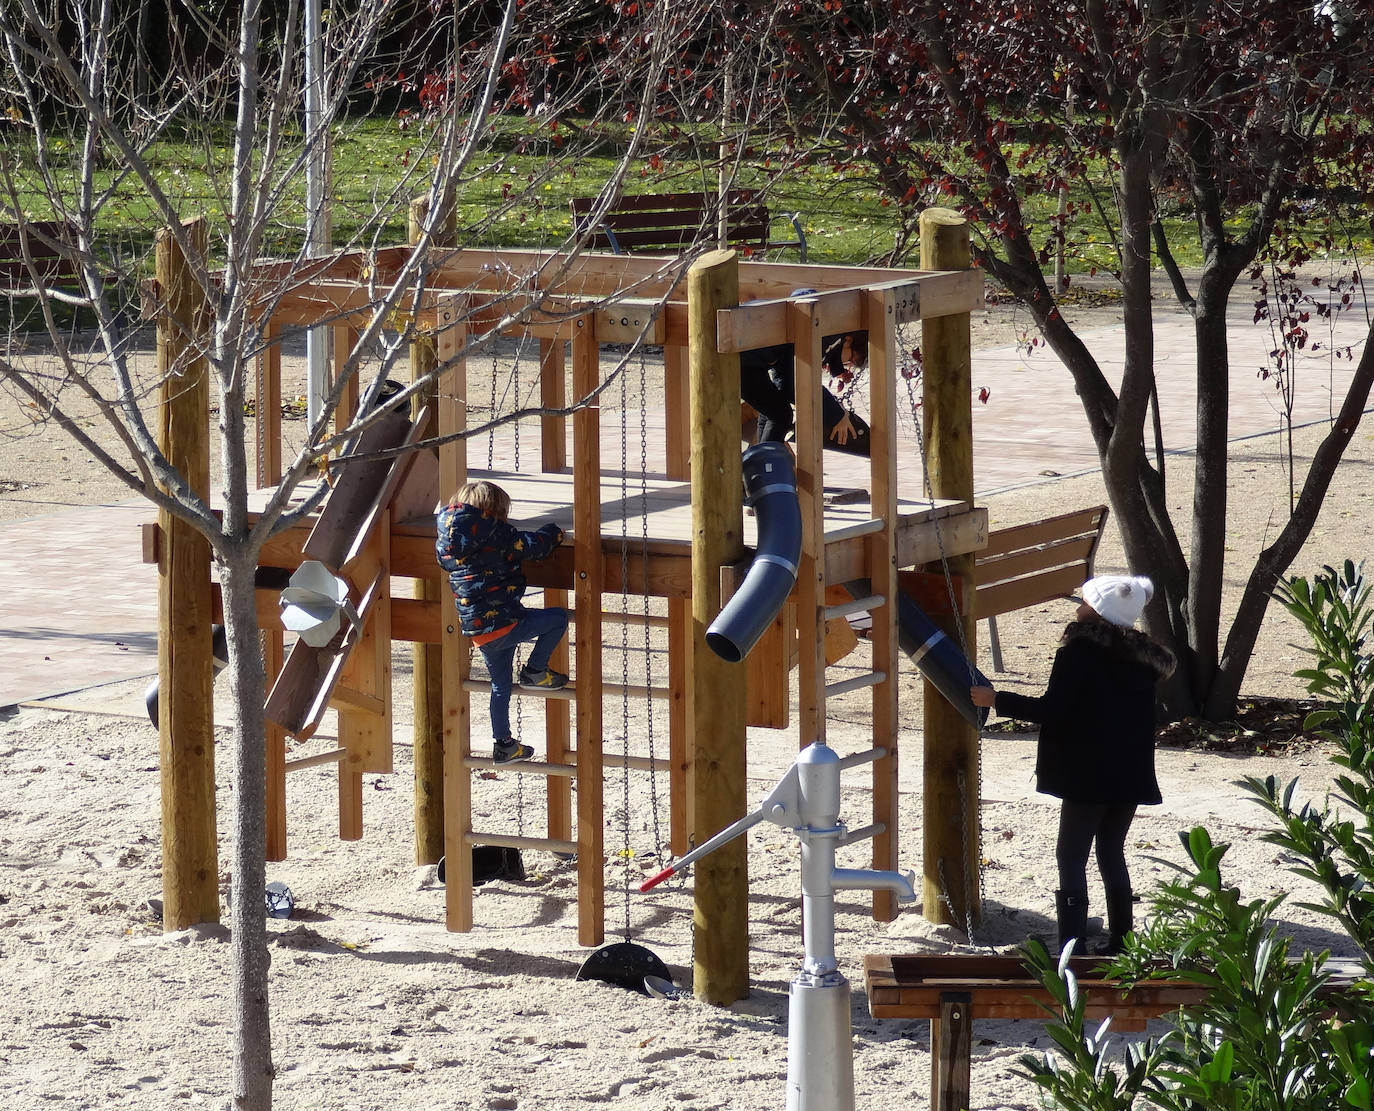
[[1096, 750]]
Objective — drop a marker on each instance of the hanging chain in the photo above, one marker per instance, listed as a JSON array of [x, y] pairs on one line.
[[625, 853], [644, 559], [909, 376]]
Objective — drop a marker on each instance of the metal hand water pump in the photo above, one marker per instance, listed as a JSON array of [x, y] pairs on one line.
[[820, 1055]]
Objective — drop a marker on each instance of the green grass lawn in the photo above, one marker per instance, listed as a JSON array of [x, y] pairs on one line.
[[515, 193]]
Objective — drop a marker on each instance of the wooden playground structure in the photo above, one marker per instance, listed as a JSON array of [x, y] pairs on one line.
[[377, 526]]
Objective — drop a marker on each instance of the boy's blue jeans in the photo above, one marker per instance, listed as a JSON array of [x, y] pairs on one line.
[[543, 626]]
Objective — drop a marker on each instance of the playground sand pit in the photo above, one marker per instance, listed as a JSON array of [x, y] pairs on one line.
[[376, 1006]]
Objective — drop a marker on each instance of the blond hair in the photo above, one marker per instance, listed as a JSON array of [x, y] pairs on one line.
[[486, 496]]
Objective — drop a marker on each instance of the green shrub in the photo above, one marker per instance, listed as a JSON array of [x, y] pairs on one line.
[[1274, 1032]]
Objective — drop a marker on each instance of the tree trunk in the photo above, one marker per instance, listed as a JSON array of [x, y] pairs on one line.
[[253, 1070]]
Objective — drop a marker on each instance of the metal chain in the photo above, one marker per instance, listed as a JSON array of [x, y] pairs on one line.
[[905, 367], [625, 644], [644, 558]]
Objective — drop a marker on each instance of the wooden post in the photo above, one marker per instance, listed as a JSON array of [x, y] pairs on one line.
[[457, 740], [190, 861], [882, 571], [427, 670], [717, 755], [950, 889], [588, 576], [805, 333], [553, 456]]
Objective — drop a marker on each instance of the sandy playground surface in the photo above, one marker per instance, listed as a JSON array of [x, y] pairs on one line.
[[376, 1006]]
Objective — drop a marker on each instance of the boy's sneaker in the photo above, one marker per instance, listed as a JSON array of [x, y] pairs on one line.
[[546, 680], [509, 751]]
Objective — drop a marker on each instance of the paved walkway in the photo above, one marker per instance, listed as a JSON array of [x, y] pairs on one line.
[[78, 608]]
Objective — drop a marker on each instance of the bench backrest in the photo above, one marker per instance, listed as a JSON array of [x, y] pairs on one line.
[[1028, 564], [49, 245], [651, 222]]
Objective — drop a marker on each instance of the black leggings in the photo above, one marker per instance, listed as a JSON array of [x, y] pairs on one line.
[[1080, 823]]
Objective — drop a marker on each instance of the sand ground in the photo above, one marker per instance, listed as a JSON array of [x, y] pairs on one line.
[[376, 1006]]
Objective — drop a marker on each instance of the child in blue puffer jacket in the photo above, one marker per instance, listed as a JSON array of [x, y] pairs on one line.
[[483, 553]]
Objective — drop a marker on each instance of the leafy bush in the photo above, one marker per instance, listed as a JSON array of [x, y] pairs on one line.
[[1274, 1032]]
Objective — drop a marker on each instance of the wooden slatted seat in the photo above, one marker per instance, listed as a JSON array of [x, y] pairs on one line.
[[51, 257], [1028, 564], [650, 223]]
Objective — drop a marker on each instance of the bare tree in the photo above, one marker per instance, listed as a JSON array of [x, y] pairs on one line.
[[96, 132]]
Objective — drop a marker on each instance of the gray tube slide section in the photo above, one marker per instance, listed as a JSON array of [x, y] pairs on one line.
[[770, 485]]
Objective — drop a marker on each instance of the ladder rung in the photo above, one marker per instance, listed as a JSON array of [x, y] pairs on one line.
[[482, 685], [568, 693], [333, 756], [857, 682], [542, 767], [861, 528], [857, 605], [861, 834], [867, 756], [516, 841]]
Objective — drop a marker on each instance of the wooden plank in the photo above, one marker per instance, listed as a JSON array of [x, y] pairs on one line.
[[451, 415], [951, 1041], [951, 856], [768, 701], [991, 601], [273, 655], [717, 759], [590, 573], [881, 557], [1082, 522], [1072, 550], [186, 742], [268, 406], [804, 332]]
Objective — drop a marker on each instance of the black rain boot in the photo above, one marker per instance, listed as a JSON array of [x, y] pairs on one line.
[[1071, 911], [1120, 919]]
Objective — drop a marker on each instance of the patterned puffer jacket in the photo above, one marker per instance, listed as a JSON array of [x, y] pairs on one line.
[[483, 558]]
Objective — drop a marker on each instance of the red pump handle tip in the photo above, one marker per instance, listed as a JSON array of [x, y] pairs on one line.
[[654, 881]]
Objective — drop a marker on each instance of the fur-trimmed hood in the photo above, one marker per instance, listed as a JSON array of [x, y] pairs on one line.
[[1130, 644]]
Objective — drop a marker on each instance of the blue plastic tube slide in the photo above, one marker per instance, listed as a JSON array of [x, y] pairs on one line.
[[770, 485], [937, 656]]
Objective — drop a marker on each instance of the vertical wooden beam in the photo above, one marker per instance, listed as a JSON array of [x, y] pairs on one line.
[[588, 577], [186, 742], [677, 426], [718, 763], [553, 456], [804, 328], [273, 656], [427, 730], [366, 734], [881, 312], [553, 431], [951, 843], [451, 404]]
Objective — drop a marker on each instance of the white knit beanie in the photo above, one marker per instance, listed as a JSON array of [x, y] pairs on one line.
[[1119, 599]]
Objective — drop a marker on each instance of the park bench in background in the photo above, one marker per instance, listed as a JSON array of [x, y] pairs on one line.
[[1028, 564], [52, 258], [651, 223]]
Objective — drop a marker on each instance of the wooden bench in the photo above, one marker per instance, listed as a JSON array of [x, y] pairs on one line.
[[51, 261], [1028, 564], [649, 223], [953, 990]]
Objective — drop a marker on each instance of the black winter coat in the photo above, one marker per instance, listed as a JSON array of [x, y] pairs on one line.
[[1097, 715]]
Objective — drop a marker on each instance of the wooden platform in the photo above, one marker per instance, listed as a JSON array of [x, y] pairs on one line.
[[662, 512]]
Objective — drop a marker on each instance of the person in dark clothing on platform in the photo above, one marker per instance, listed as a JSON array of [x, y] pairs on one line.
[[1097, 745], [768, 382]]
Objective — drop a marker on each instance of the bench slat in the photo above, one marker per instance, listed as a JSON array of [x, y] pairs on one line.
[[1076, 550], [1078, 523], [1031, 591], [647, 222]]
